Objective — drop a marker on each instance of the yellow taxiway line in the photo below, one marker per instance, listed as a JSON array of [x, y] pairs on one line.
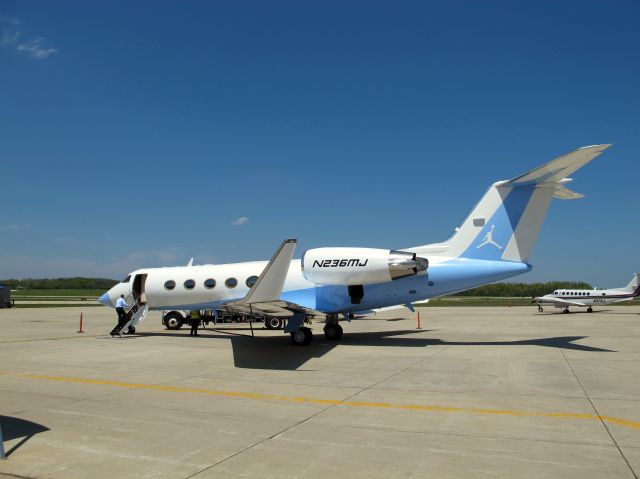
[[334, 402]]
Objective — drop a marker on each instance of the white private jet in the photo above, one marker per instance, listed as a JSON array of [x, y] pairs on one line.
[[586, 298], [494, 242]]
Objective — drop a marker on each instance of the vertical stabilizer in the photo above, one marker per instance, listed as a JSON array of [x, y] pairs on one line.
[[505, 223], [634, 285]]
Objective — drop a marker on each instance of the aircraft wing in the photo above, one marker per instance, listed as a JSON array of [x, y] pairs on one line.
[[277, 309], [264, 297], [559, 302]]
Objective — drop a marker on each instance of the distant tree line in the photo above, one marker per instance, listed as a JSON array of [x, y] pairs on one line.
[[514, 290], [60, 283], [523, 290]]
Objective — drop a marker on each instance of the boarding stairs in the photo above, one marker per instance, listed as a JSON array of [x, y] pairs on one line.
[[135, 316]]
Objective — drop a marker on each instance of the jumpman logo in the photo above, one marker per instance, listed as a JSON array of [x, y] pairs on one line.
[[488, 239]]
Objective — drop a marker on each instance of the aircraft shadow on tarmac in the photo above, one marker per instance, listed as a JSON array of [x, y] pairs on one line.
[[276, 352], [13, 428]]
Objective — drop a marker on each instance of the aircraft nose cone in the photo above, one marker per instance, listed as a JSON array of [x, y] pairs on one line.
[[105, 299]]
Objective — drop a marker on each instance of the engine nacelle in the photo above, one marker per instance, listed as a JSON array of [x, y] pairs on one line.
[[352, 266]]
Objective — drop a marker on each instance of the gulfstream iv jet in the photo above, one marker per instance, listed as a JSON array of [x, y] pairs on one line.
[[493, 243]]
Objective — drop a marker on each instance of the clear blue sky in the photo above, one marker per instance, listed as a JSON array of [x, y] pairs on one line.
[[135, 133]]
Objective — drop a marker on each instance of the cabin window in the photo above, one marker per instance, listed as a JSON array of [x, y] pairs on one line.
[[251, 280], [189, 284], [210, 283], [170, 285], [231, 283], [126, 280]]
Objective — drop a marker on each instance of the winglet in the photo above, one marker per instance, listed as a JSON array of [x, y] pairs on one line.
[[269, 285]]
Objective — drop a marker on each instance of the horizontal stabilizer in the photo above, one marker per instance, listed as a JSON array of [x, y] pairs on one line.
[[561, 167]]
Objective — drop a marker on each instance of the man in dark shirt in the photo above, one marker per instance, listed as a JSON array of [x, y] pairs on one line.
[[195, 322]]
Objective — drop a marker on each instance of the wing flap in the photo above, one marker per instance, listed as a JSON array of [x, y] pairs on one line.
[[277, 309]]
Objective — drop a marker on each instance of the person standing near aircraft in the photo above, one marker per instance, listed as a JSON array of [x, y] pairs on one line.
[[195, 322], [120, 305]]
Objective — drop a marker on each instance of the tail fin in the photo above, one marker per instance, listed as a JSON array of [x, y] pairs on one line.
[[634, 285], [504, 225]]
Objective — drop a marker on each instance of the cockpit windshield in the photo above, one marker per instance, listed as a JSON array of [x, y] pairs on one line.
[[126, 280]]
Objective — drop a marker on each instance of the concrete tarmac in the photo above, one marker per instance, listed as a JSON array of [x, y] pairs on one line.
[[479, 392]]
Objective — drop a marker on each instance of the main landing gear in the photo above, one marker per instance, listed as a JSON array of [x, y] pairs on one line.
[[302, 336], [589, 309], [332, 329]]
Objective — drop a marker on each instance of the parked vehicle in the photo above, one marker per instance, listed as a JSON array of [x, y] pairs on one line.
[[175, 319]]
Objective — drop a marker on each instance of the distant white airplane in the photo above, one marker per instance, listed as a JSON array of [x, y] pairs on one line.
[[494, 242], [586, 298]]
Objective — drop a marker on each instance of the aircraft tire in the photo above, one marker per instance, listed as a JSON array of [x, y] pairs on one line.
[[273, 323], [302, 337], [565, 311], [130, 330], [589, 310], [333, 332], [173, 321]]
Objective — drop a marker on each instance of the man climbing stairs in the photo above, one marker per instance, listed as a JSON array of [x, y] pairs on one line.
[[133, 317]]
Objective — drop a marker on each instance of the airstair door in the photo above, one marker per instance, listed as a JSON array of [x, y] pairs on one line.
[[139, 294]]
